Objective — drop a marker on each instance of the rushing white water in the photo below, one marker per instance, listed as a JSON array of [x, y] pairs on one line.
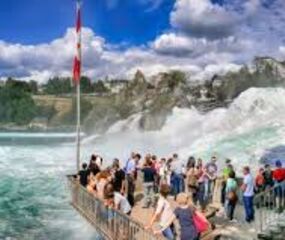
[[33, 197], [252, 126]]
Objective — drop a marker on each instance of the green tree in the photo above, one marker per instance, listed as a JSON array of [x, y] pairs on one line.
[[33, 85], [57, 85], [86, 85], [16, 103], [99, 87]]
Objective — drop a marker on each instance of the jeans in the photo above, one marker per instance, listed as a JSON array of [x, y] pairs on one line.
[[131, 189], [148, 189], [168, 234], [230, 209], [177, 183], [223, 193], [209, 189], [248, 207], [201, 196]]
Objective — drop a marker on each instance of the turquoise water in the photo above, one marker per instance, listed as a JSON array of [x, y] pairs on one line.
[[34, 201]]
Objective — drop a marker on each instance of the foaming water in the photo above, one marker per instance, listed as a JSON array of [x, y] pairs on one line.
[[250, 127], [34, 201]]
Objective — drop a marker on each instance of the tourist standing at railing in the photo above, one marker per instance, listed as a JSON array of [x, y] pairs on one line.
[[119, 178], [199, 164], [130, 170], [148, 183], [169, 173], [202, 194], [122, 204], [83, 175], [156, 166], [279, 177], [177, 176], [191, 161], [163, 213], [102, 180], [93, 167], [99, 161], [226, 171], [268, 177], [248, 194], [260, 181], [184, 214], [211, 175], [162, 172], [231, 195], [192, 177], [116, 199]]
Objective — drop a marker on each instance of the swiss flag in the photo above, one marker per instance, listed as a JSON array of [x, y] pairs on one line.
[[77, 58]]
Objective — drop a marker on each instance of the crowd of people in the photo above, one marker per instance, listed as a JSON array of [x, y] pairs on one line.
[[191, 185]]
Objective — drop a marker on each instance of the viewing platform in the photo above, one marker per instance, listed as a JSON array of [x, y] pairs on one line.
[[112, 224]]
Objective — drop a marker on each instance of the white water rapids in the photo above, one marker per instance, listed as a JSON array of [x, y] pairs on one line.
[[250, 128]]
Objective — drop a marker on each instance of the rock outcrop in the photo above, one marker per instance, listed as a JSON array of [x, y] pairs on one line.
[[153, 99]]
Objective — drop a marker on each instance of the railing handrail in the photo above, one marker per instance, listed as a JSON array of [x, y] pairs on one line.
[[115, 213], [275, 186], [267, 204]]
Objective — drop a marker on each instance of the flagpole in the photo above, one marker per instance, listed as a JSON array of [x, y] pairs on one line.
[[78, 128], [77, 80]]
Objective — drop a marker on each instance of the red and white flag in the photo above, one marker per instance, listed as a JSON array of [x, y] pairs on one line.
[[77, 58]]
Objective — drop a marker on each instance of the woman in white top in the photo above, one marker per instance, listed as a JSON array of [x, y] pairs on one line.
[[163, 213], [122, 204]]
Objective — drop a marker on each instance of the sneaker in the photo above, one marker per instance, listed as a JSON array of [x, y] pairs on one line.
[[233, 221]]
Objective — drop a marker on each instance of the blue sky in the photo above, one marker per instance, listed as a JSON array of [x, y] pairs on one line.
[[38, 21], [200, 37]]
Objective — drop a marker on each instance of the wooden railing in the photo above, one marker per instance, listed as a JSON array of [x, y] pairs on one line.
[[109, 223]]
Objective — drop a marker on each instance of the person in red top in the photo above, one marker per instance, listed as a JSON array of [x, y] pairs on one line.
[[260, 181], [279, 176], [279, 172]]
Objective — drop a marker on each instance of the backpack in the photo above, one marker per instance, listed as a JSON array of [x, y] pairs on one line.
[[232, 196]]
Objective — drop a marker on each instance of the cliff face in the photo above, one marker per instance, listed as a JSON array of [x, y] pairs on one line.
[[266, 72], [154, 102], [155, 99]]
